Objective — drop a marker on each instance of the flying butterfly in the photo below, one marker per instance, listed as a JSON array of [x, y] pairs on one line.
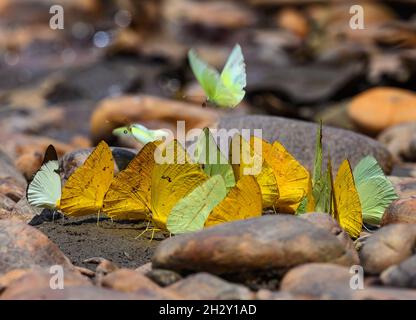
[[225, 90]]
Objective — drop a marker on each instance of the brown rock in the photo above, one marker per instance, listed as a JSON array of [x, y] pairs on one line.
[[150, 111], [400, 140], [145, 268], [19, 282], [318, 281], [76, 293], [401, 275], [405, 187], [163, 277], [388, 246], [384, 293], [379, 108], [268, 243], [25, 247], [204, 286], [264, 294], [213, 14], [400, 211], [325, 221], [6, 203], [23, 211], [12, 189], [8, 172], [293, 20], [127, 280]]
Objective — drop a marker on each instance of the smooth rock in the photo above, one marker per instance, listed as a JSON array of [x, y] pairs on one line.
[[400, 211], [76, 293], [384, 293], [12, 188], [23, 211], [205, 286], [405, 187], [264, 294], [400, 140], [127, 280], [71, 161], [117, 112], [19, 282], [8, 170], [145, 268], [318, 281], [388, 246], [269, 243], [401, 275], [299, 138], [325, 221], [6, 203], [380, 108], [23, 247], [163, 277]]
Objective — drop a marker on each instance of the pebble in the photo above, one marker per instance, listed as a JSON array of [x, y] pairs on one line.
[[269, 243], [163, 277], [380, 108], [318, 281], [400, 211], [401, 275], [400, 140], [388, 246], [205, 286], [24, 247]]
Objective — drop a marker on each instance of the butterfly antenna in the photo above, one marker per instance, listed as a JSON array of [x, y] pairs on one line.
[[144, 231]]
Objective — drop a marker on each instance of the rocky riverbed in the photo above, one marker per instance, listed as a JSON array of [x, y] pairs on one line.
[[118, 62]]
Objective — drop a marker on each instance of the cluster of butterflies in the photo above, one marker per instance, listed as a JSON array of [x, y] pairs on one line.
[[207, 188]]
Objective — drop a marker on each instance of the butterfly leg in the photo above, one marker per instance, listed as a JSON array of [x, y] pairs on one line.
[[144, 231]]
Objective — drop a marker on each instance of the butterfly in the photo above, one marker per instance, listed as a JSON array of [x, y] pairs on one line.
[[247, 159], [129, 194], [44, 191], [226, 90], [292, 178], [242, 202], [346, 205], [141, 133], [375, 190], [208, 154], [84, 191], [172, 181], [190, 213]]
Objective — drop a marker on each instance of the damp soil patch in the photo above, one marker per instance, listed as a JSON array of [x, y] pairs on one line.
[[81, 239]]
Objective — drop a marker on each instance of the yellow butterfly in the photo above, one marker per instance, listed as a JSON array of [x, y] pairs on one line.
[[252, 162], [346, 205], [84, 191], [242, 202], [129, 195], [172, 181], [292, 178]]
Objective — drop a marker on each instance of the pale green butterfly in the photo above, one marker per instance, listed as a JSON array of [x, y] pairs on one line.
[[208, 154], [226, 90], [141, 133], [190, 213], [375, 190], [44, 191]]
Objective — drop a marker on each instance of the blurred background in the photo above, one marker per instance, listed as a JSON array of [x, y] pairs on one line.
[[123, 61]]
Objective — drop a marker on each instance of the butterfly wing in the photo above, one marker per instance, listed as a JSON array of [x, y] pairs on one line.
[[173, 177], [214, 162], [84, 191], [129, 195], [251, 161], [347, 201], [190, 213], [242, 202], [207, 76], [44, 191], [292, 178], [376, 192]]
